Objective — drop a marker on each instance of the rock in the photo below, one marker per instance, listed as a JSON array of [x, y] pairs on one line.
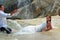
[[29, 9]]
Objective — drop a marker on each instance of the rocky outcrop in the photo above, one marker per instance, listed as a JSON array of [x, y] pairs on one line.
[[33, 8], [39, 8]]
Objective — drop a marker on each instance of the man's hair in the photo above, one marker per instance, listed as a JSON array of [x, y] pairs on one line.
[[0, 5]]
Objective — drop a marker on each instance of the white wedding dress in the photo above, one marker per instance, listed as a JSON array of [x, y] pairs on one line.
[[31, 29]]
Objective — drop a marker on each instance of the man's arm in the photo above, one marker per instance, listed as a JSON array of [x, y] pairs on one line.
[[4, 14], [13, 12], [8, 15]]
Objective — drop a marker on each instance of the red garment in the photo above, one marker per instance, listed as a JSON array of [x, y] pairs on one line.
[[49, 27]]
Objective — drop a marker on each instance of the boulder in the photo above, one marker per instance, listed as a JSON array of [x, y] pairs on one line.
[[29, 9]]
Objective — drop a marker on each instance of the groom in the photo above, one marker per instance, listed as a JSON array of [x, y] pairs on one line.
[[3, 21]]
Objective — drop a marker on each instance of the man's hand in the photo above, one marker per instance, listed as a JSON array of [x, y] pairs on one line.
[[14, 11]]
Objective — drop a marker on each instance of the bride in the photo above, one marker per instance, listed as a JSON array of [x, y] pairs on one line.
[[44, 26]]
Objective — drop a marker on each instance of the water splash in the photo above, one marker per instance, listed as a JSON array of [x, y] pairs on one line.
[[31, 29], [15, 23], [26, 30]]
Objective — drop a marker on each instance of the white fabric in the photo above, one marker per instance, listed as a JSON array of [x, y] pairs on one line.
[[40, 27], [33, 28], [3, 16]]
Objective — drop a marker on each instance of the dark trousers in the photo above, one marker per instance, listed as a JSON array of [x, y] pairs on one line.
[[8, 30]]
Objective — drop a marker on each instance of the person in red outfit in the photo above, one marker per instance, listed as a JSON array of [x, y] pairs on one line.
[[48, 23]]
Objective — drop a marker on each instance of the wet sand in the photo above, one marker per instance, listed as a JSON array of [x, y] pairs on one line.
[[54, 34]]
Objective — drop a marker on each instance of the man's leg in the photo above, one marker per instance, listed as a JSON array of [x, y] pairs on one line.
[[8, 31], [2, 29]]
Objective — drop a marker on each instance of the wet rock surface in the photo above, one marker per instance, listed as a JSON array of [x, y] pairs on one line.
[[29, 9]]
